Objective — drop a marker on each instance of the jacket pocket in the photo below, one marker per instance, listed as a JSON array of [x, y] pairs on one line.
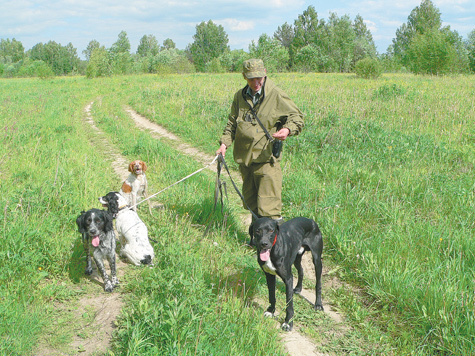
[[244, 142]]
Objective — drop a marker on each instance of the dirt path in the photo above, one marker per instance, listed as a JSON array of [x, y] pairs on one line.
[[105, 307], [296, 344]]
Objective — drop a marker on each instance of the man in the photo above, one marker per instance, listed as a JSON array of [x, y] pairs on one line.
[[260, 100]]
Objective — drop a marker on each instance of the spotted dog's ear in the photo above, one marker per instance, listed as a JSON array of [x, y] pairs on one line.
[[80, 222], [144, 166], [131, 167]]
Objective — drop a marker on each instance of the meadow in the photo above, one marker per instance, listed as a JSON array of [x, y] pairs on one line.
[[384, 166]]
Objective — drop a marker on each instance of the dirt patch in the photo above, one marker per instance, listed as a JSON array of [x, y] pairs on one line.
[[94, 337]]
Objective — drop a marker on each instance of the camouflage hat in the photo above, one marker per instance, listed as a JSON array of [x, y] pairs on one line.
[[253, 68]]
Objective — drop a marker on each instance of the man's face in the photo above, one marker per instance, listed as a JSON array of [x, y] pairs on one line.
[[255, 83]]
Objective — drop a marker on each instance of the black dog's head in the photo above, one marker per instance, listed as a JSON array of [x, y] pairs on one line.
[[264, 232], [111, 202], [94, 223]]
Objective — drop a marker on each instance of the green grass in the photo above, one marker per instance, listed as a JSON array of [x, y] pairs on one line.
[[384, 166]]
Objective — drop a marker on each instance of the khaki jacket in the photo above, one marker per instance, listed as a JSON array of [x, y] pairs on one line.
[[275, 110]]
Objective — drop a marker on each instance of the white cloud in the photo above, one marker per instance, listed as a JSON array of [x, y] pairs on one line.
[[80, 21], [370, 25], [236, 25]]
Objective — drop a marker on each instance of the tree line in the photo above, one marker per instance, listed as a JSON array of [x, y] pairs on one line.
[[311, 44]]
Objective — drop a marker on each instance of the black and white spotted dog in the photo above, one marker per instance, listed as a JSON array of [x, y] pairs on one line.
[[98, 237], [133, 233]]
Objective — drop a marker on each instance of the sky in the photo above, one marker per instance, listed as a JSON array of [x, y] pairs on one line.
[[80, 21]]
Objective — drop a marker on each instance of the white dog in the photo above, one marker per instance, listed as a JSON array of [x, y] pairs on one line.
[[133, 233], [135, 186]]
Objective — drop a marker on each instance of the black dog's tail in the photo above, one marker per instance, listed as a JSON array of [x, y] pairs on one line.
[[147, 260]]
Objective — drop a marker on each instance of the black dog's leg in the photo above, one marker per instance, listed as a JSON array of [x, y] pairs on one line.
[[112, 265], [85, 242], [270, 279], [317, 261], [298, 266], [108, 287], [289, 297]]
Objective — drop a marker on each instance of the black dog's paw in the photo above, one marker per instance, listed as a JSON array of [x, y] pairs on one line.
[[88, 271], [287, 327], [115, 282], [268, 314], [108, 286], [297, 290], [318, 307]]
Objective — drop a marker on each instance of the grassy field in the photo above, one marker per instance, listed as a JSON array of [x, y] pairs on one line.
[[384, 166]]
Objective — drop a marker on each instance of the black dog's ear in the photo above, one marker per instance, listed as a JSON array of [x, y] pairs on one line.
[[108, 226], [80, 222], [251, 230]]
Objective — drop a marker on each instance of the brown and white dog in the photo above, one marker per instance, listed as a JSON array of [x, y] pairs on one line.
[[135, 186]]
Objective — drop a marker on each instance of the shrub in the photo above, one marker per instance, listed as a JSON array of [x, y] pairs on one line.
[[214, 66], [368, 68], [37, 68]]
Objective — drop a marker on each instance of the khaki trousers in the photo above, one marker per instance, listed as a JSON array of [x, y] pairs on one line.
[[262, 188]]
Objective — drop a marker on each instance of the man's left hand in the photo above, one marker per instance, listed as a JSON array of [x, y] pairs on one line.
[[282, 134]]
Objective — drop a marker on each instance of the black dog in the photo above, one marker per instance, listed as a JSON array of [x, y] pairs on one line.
[[98, 234], [278, 247]]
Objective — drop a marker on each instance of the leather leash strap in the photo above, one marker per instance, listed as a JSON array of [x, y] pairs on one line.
[[219, 184]]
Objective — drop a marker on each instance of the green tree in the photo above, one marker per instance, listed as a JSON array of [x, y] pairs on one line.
[[168, 44], [307, 30], [171, 61], [285, 35], [363, 44], [99, 65], [36, 68], [62, 59], [433, 53], [119, 53], [311, 59], [271, 51], [341, 41], [422, 19], [470, 47], [92, 45], [232, 60], [148, 46], [210, 41], [424, 46], [11, 51], [122, 45]]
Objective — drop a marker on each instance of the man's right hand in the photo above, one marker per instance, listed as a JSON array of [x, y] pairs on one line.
[[222, 150]]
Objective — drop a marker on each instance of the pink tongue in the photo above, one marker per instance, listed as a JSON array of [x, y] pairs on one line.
[[95, 241], [264, 255]]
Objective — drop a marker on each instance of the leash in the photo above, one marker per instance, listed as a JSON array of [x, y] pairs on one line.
[[218, 188], [171, 185], [219, 184]]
